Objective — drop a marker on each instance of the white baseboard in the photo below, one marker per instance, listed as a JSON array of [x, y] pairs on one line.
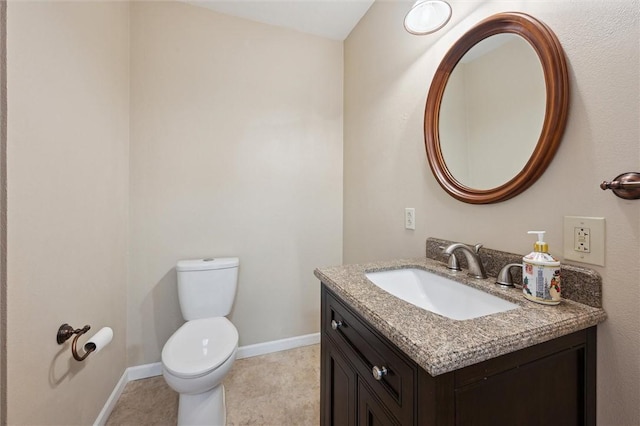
[[101, 420], [277, 345], [146, 371]]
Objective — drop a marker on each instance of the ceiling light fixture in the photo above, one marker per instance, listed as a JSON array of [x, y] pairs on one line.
[[427, 16]]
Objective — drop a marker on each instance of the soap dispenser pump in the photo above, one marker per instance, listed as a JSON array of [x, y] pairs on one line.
[[541, 274]]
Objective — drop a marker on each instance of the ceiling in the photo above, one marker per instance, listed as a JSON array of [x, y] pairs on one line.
[[332, 19]]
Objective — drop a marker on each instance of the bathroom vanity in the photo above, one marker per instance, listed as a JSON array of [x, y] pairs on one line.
[[386, 361]]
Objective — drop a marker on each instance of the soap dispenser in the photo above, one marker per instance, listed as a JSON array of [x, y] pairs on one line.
[[541, 274]]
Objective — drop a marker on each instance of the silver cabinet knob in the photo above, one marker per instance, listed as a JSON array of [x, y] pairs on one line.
[[379, 372], [336, 324]]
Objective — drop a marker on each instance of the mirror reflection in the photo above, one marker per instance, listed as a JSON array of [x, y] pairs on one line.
[[492, 111]]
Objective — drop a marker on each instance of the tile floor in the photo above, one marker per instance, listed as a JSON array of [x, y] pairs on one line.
[[278, 389]]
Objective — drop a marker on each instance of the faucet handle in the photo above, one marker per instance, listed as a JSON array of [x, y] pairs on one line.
[[477, 247], [504, 276]]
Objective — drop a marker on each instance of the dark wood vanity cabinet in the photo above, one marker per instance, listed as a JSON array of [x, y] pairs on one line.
[[552, 383]]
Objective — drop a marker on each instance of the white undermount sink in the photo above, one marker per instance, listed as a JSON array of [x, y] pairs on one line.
[[439, 294]]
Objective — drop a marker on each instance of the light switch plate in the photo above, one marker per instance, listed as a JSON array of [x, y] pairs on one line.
[[409, 218], [577, 231]]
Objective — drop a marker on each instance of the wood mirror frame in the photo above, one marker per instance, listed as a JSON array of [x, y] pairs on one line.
[[554, 66]]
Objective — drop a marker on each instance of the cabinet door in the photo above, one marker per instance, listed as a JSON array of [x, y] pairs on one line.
[[549, 391], [338, 388], [370, 410]]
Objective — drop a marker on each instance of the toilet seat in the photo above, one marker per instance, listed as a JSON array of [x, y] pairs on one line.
[[199, 347]]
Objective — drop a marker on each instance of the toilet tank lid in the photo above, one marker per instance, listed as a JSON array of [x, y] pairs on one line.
[[208, 264]]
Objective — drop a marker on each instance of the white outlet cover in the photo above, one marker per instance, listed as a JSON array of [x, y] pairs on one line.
[[596, 239]]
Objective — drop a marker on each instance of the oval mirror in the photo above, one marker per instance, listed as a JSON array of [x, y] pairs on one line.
[[496, 109]]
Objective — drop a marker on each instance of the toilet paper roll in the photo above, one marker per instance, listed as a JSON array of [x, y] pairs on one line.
[[99, 340]]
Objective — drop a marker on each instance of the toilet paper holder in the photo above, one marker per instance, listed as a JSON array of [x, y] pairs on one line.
[[66, 331]]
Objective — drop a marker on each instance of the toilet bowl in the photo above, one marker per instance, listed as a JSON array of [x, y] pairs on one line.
[[198, 356], [195, 359]]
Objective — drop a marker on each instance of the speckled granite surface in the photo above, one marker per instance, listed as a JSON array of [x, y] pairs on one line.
[[581, 285], [439, 344]]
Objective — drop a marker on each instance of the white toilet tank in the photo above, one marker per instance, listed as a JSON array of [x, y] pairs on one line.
[[207, 287]]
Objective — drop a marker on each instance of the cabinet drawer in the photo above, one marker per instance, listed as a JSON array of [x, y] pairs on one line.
[[366, 349]]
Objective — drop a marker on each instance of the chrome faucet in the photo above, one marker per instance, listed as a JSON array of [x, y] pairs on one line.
[[476, 268]]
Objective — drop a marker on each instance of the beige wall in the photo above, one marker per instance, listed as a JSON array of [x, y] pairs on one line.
[[3, 212], [387, 76], [236, 151], [68, 133]]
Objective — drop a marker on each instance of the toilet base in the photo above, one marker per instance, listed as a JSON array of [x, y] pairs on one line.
[[203, 409]]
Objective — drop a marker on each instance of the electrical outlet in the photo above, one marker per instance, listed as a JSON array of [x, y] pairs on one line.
[[409, 218], [581, 239], [584, 239]]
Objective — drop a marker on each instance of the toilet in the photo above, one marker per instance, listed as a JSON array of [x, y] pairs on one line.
[[198, 356]]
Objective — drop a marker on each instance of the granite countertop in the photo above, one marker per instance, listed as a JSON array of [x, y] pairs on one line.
[[439, 344]]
